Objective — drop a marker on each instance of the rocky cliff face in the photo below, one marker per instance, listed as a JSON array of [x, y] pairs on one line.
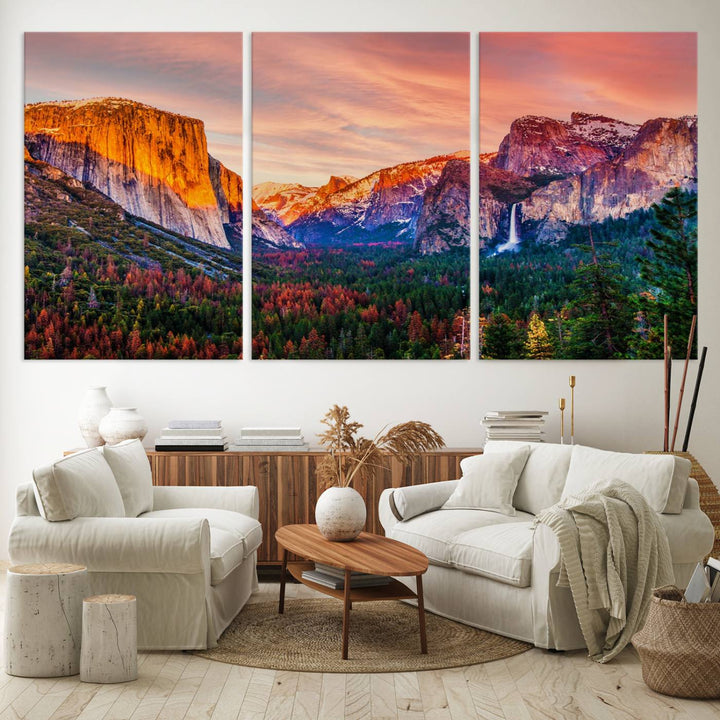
[[499, 189], [398, 193], [228, 189], [152, 163], [603, 168], [286, 202], [613, 135], [271, 233], [662, 155], [543, 146], [444, 220]]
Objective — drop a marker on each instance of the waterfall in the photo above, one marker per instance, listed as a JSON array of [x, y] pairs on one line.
[[513, 242]]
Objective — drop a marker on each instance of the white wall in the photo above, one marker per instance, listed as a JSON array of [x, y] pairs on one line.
[[618, 403]]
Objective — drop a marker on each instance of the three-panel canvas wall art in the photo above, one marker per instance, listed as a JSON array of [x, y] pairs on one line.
[[363, 209]]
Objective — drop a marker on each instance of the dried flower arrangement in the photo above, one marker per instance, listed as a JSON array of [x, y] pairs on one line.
[[352, 457]]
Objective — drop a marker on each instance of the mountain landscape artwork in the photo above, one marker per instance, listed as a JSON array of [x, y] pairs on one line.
[[133, 197], [360, 195], [588, 194]]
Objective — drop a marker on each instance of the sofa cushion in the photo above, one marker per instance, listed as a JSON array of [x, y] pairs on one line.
[[542, 480], [131, 468], [227, 551], [660, 479], [434, 533], [79, 485], [501, 552], [488, 482], [245, 535]]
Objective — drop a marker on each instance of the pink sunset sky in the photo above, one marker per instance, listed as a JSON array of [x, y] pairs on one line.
[[627, 76], [352, 103], [193, 74]]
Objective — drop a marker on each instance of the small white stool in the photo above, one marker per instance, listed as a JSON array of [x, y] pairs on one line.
[[43, 619], [109, 639]]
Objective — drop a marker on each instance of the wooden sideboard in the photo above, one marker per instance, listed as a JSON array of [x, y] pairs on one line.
[[286, 482]]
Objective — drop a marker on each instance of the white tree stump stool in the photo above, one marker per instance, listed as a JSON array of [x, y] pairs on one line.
[[109, 639], [43, 619]]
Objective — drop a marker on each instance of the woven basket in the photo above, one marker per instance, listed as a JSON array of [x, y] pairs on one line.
[[680, 646]]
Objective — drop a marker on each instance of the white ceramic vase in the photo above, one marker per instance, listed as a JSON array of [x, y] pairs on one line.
[[122, 423], [96, 404], [340, 513]]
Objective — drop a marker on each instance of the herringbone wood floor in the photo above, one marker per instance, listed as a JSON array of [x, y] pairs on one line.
[[177, 686]]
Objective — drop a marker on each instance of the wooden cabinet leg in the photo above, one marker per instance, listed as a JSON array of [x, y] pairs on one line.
[[346, 615], [283, 573], [421, 615]]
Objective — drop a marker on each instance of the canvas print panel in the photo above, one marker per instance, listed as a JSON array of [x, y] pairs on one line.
[[361, 195], [588, 194], [133, 195]]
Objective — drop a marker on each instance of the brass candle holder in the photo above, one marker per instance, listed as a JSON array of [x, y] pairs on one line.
[[561, 405]]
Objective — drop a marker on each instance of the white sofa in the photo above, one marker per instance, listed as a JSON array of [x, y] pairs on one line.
[[495, 571], [187, 553]]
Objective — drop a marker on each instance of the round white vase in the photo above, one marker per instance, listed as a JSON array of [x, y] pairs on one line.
[[340, 513], [122, 423], [96, 404]]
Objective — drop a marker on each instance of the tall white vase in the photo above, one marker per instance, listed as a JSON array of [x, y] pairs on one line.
[[340, 513], [96, 404], [123, 423]]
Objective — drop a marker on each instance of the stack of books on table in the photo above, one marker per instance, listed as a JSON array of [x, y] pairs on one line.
[[192, 435], [519, 425], [332, 577], [270, 439]]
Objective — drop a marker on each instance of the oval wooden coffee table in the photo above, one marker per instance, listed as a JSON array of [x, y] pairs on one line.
[[368, 553]]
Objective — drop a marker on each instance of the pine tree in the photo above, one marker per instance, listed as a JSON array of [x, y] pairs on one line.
[[538, 345], [603, 315], [501, 338], [671, 269]]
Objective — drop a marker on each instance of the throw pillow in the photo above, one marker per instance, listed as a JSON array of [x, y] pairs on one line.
[[413, 500], [660, 479], [131, 468], [542, 480], [488, 482], [79, 485]]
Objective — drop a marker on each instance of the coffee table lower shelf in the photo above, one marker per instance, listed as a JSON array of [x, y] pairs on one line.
[[394, 590]]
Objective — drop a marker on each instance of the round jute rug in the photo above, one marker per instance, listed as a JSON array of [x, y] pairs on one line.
[[384, 637]]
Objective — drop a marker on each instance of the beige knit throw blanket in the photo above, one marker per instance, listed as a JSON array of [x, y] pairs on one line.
[[614, 551]]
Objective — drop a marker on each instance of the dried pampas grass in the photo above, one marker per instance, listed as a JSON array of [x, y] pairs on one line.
[[352, 457]]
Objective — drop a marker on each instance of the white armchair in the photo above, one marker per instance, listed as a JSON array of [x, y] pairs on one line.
[[190, 560]]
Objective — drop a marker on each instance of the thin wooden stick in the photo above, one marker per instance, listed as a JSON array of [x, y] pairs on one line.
[[694, 399], [572, 409], [669, 386], [682, 382], [666, 380]]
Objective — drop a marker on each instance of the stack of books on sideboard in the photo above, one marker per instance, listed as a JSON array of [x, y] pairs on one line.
[[523, 425], [270, 439], [192, 436]]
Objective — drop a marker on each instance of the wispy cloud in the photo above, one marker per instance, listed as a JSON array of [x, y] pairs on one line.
[[628, 76], [351, 103], [194, 74]]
